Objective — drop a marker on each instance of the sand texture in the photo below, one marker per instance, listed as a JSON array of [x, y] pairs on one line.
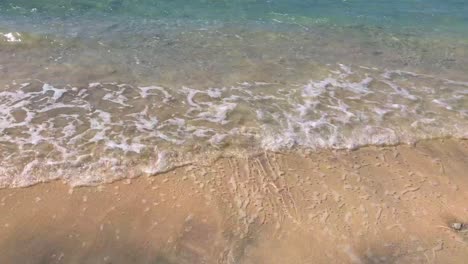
[[373, 205]]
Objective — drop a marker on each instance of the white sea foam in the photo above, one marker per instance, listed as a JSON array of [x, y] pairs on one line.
[[146, 91], [103, 131], [12, 36], [218, 113]]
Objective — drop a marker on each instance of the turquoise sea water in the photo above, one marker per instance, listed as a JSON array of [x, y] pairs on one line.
[[429, 15], [92, 91]]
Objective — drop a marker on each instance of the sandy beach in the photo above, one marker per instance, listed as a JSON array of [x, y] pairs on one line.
[[233, 132], [396, 204]]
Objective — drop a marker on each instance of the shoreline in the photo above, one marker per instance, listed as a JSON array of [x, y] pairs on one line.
[[387, 204], [207, 159]]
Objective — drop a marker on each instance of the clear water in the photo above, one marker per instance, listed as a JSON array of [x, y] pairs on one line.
[[93, 91], [436, 15]]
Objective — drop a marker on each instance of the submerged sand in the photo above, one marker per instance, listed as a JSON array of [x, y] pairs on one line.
[[373, 205]]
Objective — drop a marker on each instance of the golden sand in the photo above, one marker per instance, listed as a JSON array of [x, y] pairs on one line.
[[373, 205]]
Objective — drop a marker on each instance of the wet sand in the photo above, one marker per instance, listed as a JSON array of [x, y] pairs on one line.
[[372, 205]]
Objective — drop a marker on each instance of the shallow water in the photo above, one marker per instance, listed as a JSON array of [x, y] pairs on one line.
[[93, 91]]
